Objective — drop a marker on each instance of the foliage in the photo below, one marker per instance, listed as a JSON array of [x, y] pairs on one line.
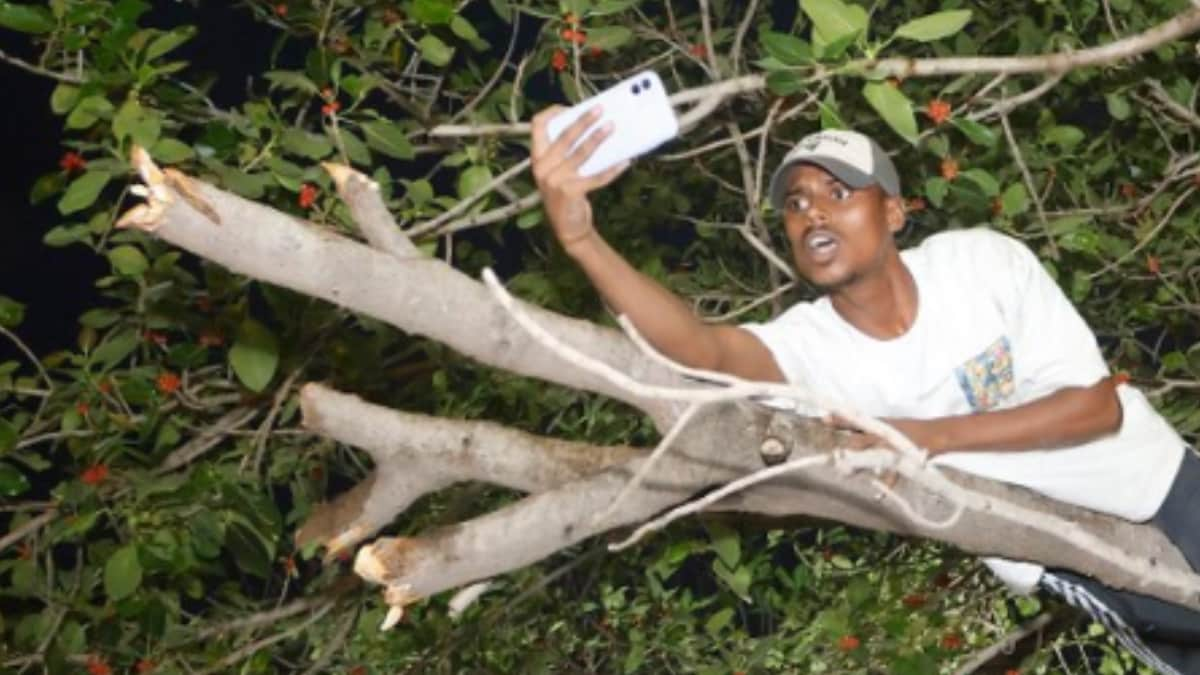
[[143, 561]]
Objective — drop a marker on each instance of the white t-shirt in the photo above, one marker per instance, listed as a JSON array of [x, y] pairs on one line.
[[992, 331]]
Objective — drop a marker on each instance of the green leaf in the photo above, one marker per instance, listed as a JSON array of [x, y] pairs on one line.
[[1064, 136], [986, 181], [463, 29], [171, 151], [254, 355], [99, 318], [122, 573], [115, 349], [936, 189], [46, 186], [134, 121], [12, 313], [979, 134], [128, 261], [12, 481], [785, 82], [472, 179], [290, 79], [356, 150], [27, 18], [389, 139], [83, 191], [306, 144], [718, 621], [63, 98], [168, 41], [8, 435], [65, 235], [894, 107], [432, 11], [1015, 200], [608, 38], [834, 19], [1118, 106], [88, 111], [935, 26], [435, 51], [789, 49]]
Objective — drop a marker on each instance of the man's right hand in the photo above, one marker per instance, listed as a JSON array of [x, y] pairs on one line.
[[556, 172]]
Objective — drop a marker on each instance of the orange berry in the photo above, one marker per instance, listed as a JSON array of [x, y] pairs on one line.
[[949, 168], [167, 382], [914, 601], [848, 643], [596, 52], [330, 108], [1128, 190], [156, 337], [698, 50], [144, 666], [1153, 264], [938, 110], [94, 474], [210, 337], [281, 9], [104, 387], [951, 641], [97, 666]]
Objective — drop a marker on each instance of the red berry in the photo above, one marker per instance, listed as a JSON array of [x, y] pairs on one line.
[[281, 9], [559, 60], [938, 110], [914, 601], [951, 641], [308, 196], [848, 643], [94, 474], [1153, 265], [72, 162]]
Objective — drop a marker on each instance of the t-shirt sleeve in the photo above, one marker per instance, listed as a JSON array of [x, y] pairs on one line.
[[1052, 346], [781, 337]]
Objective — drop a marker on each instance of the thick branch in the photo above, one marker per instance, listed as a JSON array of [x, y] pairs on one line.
[[416, 294], [718, 448]]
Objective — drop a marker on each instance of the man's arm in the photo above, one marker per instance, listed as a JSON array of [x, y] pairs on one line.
[[1069, 416], [663, 319]]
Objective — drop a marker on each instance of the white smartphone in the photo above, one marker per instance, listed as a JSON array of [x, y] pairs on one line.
[[642, 118]]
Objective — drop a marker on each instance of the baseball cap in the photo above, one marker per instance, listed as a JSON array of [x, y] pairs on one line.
[[854, 158]]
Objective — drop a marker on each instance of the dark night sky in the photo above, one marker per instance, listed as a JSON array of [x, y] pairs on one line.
[[56, 283]]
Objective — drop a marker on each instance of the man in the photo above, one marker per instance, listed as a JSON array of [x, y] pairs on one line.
[[964, 343]]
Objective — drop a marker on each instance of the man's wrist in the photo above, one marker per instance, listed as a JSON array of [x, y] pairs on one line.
[[579, 243]]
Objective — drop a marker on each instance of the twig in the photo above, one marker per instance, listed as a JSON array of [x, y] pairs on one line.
[[260, 438], [1149, 235], [512, 41], [38, 70], [207, 439], [1007, 105], [330, 649], [1005, 645], [469, 201], [274, 615], [248, 650], [736, 53], [1033, 191], [1164, 99], [27, 528], [665, 444]]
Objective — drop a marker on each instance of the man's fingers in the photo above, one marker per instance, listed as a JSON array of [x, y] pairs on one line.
[[540, 138], [605, 177], [561, 145], [581, 154]]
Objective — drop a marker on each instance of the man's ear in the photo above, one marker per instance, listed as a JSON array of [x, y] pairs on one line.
[[893, 211]]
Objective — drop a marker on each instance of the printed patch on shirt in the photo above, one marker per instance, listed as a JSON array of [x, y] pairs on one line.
[[987, 379]]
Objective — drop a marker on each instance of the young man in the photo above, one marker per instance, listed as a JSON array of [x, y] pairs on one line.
[[964, 343]]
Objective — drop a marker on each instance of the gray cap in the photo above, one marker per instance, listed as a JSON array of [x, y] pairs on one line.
[[855, 159]]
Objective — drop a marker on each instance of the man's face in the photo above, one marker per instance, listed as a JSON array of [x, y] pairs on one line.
[[839, 235]]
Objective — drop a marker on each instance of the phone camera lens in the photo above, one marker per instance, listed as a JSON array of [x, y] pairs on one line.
[[636, 90], [646, 83]]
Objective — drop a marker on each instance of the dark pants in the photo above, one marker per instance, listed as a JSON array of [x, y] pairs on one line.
[[1170, 631]]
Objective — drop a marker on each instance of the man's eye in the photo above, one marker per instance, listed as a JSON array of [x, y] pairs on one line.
[[840, 193], [796, 204]]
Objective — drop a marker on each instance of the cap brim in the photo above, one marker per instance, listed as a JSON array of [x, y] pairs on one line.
[[849, 175]]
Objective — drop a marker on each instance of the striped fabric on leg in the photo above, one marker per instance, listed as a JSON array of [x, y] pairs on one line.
[[1079, 597]]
